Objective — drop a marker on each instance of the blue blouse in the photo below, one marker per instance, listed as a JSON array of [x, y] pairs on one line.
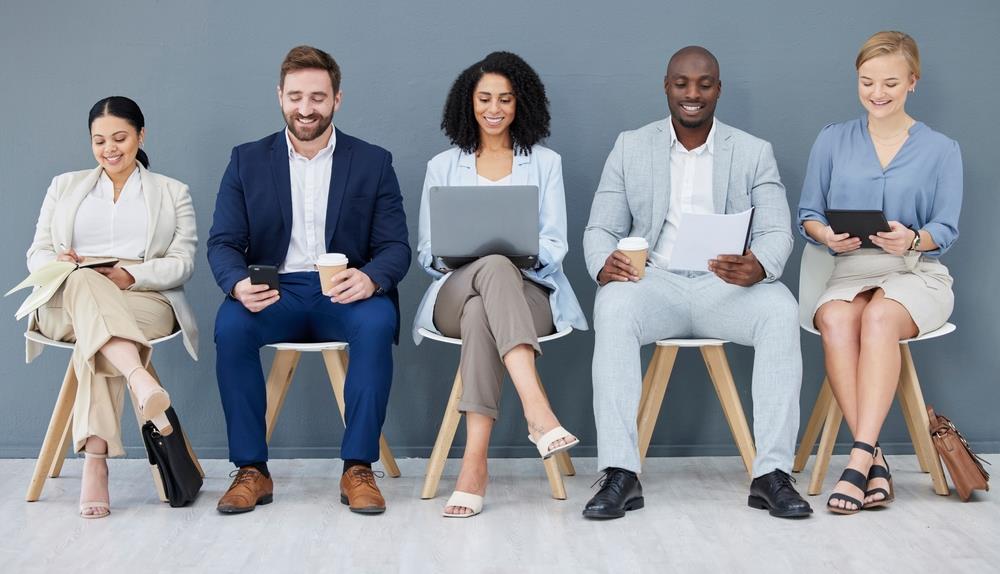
[[920, 188]]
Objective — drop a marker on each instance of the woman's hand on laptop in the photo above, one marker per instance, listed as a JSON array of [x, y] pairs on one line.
[[351, 285]]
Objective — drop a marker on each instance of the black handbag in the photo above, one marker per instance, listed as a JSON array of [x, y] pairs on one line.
[[169, 453]]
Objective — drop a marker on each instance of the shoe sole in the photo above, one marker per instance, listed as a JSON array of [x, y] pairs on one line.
[[634, 504], [366, 510], [267, 499], [761, 504]]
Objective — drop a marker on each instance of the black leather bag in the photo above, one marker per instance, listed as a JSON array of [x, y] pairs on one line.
[[180, 476]]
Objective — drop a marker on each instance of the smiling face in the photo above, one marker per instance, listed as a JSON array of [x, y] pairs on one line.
[[308, 103], [693, 87], [883, 83], [494, 104], [115, 143]]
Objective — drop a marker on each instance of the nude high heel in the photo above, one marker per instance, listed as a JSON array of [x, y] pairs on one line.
[[153, 405], [95, 504]]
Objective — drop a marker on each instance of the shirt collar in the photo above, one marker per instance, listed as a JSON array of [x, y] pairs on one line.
[[708, 146], [325, 152], [106, 187]]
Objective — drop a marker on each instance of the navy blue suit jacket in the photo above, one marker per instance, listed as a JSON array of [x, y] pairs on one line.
[[364, 216]]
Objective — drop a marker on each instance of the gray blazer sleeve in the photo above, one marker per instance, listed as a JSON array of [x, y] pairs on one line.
[[771, 237], [610, 217]]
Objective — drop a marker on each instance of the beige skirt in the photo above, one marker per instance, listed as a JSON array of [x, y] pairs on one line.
[[919, 283]]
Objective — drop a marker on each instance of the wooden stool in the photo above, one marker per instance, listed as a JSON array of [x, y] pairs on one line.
[[58, 437], [814, 272], [286, 359], [826, 415], [654, 387], [560, 462]]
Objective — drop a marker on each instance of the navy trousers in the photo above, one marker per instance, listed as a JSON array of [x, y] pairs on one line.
[[302, 315]]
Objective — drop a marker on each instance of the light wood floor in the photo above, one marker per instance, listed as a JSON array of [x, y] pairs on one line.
[[696, 520]]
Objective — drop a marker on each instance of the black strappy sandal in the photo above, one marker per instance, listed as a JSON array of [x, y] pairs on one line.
[[852, 477], [879, 471]]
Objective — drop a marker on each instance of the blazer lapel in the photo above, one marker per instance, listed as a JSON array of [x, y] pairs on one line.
[[68, 207], [152, 195], [660, 180], [338, 184], [721, 163], [282, 178], [466, 169], [520, 171]]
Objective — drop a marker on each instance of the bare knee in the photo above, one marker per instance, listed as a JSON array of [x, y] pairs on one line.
[[883, 320], [837, 321]]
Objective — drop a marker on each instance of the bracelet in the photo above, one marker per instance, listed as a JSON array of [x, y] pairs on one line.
[[915, 244]]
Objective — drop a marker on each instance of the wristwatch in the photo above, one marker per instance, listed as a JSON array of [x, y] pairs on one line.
[[915, 244]]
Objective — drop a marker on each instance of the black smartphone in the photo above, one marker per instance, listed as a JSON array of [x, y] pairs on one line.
[[264, 275]]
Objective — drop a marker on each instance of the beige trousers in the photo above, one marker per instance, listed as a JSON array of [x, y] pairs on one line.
[[493, 309], [88, 310]]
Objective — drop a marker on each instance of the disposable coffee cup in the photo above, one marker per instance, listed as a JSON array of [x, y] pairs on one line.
[[328, 265], [636, 249]]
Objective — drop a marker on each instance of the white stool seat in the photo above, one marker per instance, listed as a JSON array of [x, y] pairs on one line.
[[690, 343], [453, 341], [43, 340], [310, 347], [939, 332]]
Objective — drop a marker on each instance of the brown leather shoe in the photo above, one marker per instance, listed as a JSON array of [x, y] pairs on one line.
[[249, 488], [359, 491]]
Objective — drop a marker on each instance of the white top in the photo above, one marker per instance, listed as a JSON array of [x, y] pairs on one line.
[[502, 181], [106, 228], [310, 179], [690, 190]]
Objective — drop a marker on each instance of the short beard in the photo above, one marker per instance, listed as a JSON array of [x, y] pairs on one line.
[[321, 125], [693, 125]]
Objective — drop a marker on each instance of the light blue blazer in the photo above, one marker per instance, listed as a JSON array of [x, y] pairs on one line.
[[541, 167]]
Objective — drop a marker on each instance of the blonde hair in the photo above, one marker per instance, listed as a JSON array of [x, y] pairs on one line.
[[891, 42]]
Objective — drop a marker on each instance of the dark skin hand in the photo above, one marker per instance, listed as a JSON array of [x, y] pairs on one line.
[[617, 267], [743, 270]]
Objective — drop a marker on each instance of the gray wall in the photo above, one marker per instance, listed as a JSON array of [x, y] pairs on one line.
[[205, 74]]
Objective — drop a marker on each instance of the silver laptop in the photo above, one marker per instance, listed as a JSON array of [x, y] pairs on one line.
[[468, 222]]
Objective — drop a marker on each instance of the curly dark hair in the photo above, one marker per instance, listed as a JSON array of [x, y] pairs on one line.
[[531, 116]]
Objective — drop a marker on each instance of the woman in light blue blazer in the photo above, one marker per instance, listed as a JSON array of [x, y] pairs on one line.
[[877, 296], [495, 115]]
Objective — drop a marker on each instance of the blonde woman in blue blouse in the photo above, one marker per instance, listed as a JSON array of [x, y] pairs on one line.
[[888, 161]]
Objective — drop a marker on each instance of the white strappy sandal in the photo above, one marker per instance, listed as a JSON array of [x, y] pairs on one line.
[[473, 502], [95, 504], [546, 440]]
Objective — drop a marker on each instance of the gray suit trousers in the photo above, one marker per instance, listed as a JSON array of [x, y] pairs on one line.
[[666, 305]]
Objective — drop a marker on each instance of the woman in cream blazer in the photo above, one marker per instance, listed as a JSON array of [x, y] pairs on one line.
[[146, 220], [495, 115]]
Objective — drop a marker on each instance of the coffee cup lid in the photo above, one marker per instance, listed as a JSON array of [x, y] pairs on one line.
[[632, 244], [332, 259]]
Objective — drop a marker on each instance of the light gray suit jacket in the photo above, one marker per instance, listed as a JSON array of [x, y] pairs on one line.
[[170, 243], [634, 193]]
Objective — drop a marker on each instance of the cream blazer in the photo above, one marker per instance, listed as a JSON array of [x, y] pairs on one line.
[[170, 242]]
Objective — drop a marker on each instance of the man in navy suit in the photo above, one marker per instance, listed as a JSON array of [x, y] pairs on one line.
[[285, 200]]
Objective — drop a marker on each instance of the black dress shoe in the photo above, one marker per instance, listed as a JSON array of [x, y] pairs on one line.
[[620, 491], [774, 492]]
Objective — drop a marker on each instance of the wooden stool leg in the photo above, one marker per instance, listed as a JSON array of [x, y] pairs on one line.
[[732, 407], [814, 425], [907, 409], [446, 435], [157, 481], [278, 381], [555, 478], [909, 385], [61, 414], [336, 370], [831, 427], [658, 376], [65, 449], [563, 460]]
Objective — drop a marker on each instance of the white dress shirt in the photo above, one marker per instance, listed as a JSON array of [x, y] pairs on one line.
[[108, 228], [690, 190], [505, 180], [310, 179]]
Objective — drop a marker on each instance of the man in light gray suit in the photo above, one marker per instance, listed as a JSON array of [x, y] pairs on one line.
[[691, 162]]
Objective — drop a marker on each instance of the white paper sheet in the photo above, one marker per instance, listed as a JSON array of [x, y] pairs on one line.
[[704, 236]]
